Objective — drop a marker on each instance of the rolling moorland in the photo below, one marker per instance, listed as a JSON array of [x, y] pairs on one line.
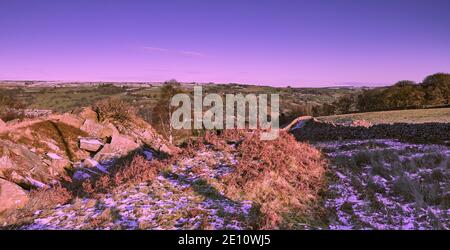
[[99, 156]]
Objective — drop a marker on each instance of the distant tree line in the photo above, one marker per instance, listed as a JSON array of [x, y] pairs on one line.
[[433, 91]]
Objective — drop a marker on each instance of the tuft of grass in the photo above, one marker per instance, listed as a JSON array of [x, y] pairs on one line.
[[130, 170], [39, 199]]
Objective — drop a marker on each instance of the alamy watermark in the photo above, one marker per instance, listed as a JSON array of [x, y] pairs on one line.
[[235, 112]]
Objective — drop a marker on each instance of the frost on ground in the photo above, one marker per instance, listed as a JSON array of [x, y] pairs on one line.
[[386, 184], [372, 184], [180, 198]]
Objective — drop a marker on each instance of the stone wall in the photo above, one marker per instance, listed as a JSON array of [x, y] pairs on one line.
[[421, 133]]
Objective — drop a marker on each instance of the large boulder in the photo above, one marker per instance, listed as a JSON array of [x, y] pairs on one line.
[[11, 196], [67, 118], [108, 131], [120, 146], [145, 134], [89, 114], [100, 130], [91, 127]]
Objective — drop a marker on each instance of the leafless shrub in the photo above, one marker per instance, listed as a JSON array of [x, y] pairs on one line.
[[115, 110]]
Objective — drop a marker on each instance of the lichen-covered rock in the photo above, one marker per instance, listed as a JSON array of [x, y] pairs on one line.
[[88, 113], [108, 131], [17, 163], [100, 130], [91, 127], [67, 118], [57, 164], [11, 196], [145, 134], [120, 146]]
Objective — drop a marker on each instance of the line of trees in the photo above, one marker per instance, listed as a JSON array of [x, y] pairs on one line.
[[433, 91]]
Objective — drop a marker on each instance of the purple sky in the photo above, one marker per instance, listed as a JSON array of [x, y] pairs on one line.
[[297, 43]]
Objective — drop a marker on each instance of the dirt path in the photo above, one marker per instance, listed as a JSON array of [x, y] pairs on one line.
[[181, 199]]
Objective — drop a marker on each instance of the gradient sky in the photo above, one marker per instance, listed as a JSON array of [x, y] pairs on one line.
[[297, 43]]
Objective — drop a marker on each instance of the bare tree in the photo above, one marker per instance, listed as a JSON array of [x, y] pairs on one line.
[[163, 110]]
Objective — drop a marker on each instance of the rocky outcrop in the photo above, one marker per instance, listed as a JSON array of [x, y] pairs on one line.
[[38, 152], [11, 196], [21, 166]]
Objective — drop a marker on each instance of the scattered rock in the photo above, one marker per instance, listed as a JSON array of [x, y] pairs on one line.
[[80, 175], [11, 196], [90, 144], [120, 146], [91, 163], [165, 203]]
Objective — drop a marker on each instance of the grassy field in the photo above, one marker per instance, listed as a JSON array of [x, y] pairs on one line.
[[408, 116], [67, 98]]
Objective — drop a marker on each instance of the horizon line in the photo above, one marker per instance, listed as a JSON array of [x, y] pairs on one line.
[[306, 85]]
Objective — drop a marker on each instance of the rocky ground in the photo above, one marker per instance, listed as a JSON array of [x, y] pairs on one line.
[[180, 198]]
